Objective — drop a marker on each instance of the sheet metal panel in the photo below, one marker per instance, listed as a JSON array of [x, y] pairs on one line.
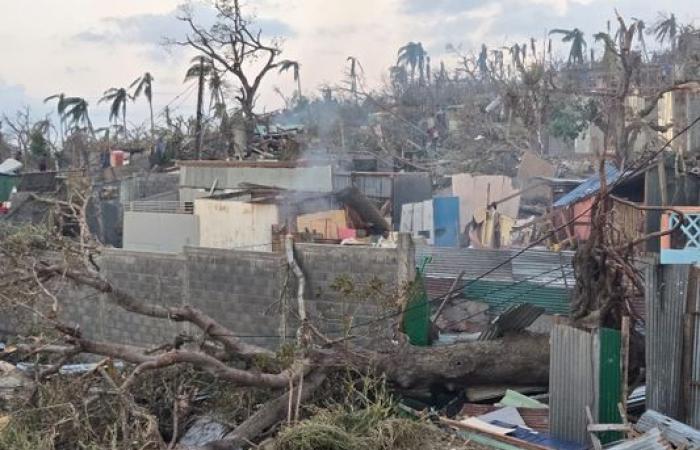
[[545, 266], [693, 383], [588, 187], [572, 382], [666, 292], [446, 221], [309, 179], [409, 188], [651, 440], [449, 262], [679, 434], [500, 295], [374, 185], [514, 318]]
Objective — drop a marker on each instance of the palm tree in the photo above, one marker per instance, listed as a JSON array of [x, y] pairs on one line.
[[640, 27], [354, 74], [77, 112], [200, 69], [119, 97], [61, 106], [144, 85], [217, 90], [398, 77], [412, 55], [482, 61], [578, 43], [294, 66], [666, 28]]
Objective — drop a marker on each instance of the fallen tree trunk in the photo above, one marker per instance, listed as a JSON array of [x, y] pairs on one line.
[[272, 413], [514, 360]]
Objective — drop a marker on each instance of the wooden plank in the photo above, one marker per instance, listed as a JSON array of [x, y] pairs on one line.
[[596, 442], [506, 439], [663, 187], [602, 427], [624, 361]]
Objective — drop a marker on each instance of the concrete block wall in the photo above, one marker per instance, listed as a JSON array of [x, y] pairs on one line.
[[240, 289], [157, 278], [243, 290], [346, 282]]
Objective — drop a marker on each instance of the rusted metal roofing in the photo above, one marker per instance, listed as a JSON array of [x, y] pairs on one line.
[[535, 418]]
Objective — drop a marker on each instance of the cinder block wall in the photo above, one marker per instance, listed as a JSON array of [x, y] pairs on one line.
[[346, 282], [242, 290], [157, 278]]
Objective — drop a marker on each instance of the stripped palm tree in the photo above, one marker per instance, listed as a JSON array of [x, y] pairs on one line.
[[118, 98], [144, 85], [666, 29], [640, 27], [354, 74], [77, 113], [482, 61], [412, 55], [217, 90], [294, 66], [578, 44], [200, 69], [61, 105]]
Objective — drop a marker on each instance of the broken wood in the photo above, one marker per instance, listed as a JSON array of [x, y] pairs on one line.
[[449, 296], [271, 414], [518, 443]]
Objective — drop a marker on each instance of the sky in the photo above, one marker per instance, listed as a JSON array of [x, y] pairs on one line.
[[83, 47]]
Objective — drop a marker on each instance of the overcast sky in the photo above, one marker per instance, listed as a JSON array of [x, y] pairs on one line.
[[83, 47]]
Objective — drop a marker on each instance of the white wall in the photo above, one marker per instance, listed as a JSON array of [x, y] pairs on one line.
[[159, 232], [232, 224], [310, 179]]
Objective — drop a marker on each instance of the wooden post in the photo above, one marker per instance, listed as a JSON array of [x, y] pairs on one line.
[[449, 296], [661, 167], [624, 361]]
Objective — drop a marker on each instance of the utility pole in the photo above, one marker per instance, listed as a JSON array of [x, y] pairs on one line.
[[200, 101]]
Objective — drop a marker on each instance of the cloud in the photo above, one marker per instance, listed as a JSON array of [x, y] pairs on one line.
[[155, 29], [14, 97]]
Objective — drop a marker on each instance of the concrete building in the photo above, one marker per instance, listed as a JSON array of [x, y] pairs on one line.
[[232, 224]]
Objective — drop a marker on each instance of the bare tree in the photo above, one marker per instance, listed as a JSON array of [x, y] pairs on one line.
[[238, 47]]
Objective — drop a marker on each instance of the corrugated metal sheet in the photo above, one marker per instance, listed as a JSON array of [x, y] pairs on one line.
[[651, 440], [588, 187], [449, 262], [693, 384], [374, 184], [535, 276], [308, 179], [679, 434], [542, 265], [514, 318], [535, 418], [610, 384], [409, 188], [572, 382], [499, 295], [665, 307]]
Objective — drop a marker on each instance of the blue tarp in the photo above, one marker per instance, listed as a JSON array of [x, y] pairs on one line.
[[589, 187], [541, 439]]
